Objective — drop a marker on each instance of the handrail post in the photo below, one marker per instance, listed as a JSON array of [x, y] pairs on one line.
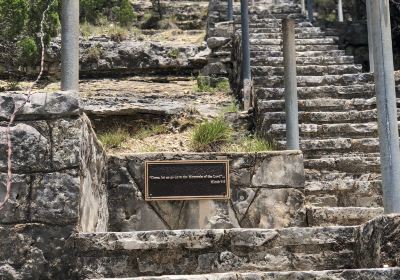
[[370, 41], [310, 10], [70, 45], [303, 7], [230, 10], [246, 71], [340, 11], [290, 75], [386, 104]]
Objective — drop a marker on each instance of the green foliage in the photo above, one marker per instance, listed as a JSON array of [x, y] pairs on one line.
[[232, 108], [204, 84], [151, 130], [94, 53], [253, 144], [20, 25], [124, 13], [28, 50], [211, 135], [120, 11], [173, 53], [114, 139]]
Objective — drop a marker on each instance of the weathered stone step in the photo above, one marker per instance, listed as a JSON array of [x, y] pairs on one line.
[[267, 60], [329, 175], [337, 145], [354, 130], [347, 274], [355, 164], [342, 92], [306, 42], [308, 35], [345, 216], [344, 193], [149, 253], [269, 49], [323, 117], [320, 104], [275, 23], [279, 30], [308, 70], [334, 52], [311, 81]]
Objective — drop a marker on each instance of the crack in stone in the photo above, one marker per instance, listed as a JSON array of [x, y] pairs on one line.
[[141, 193]]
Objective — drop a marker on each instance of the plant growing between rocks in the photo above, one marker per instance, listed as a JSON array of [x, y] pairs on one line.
[[204, 84], [210, 136]]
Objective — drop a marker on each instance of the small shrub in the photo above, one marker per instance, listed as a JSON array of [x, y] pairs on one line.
[[211, 135], [223, 86], [204, 84], [93, 54], [13, 85], [124, 13], [114, 139], [28, 51], [150, 131], [173, 53], [232, 108]]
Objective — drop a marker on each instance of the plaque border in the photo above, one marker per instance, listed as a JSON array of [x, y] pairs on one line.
[[183, 198]]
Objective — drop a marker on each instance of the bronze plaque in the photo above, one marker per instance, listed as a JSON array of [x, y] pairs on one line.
[[187, 180]]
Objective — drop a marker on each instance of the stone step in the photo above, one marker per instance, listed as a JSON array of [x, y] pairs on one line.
[[338, 145], [308, 35], [301, 52], [269, 49], [349, 116], [310, 130], [329, 175], [274, 23], [308, 70], [344, 216], [267, 60], [124, 254], [298, 30], [320, 104], [328, 91], [347, 274], [344, 193], [355, 164], [311, 81], [299, 42]]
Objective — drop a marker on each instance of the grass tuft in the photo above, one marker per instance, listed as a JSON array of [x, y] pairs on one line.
[[151, 130], [211, 135], [251, 144], [204, 84], [114, 139]]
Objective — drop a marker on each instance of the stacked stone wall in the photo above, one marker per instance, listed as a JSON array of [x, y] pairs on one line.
[[58, 185]]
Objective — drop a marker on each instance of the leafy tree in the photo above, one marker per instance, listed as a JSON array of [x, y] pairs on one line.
[[19, 27]]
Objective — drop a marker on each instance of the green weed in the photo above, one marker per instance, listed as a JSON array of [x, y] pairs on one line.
[[114, 139], [211, 135]]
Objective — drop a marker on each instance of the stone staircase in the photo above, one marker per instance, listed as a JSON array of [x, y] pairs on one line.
[[337, 116]]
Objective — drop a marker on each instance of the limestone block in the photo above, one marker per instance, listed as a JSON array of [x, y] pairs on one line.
[[275, 208], [67, 138], [17, 207], [32, 152], [55, 198], [216, 42], [279, 170], [34, 251]]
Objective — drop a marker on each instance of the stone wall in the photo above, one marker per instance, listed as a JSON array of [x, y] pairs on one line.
[[379, 242], [58, 175], [107, 56], [266, 190]]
